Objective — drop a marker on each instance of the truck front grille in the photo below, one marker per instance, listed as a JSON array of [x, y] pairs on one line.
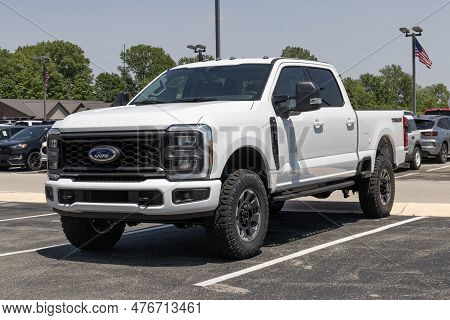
[[140, 153]]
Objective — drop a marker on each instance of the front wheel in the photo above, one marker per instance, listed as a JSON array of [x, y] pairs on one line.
[[376, 194], [443, 154], [34, 162], [416, 161], [92, 234], [241, 220]]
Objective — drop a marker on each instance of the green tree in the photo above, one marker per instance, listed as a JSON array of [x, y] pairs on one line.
[[70, 76], [433, 96], [186, 60], [298, 52], [397, 86], [358, 95], [144, 63], [107, 86]]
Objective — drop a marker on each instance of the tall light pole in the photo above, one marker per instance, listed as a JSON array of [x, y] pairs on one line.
[[43, 60], [417, 32], [217, 30]]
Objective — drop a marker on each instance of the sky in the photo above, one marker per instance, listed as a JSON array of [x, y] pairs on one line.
[[357, 36]]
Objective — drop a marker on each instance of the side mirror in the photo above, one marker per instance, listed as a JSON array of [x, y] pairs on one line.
[[122, 98], [307, 96]]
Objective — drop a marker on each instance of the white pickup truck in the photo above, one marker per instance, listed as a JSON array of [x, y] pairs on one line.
[[220, 144]]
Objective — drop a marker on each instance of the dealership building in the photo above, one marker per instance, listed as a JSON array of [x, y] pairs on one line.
[[28, 109]]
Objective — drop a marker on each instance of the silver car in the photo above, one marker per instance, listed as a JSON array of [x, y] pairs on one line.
[[435, 132], [413, 154]]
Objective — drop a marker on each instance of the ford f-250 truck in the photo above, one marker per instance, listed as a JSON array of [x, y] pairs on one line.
[[220, 144]]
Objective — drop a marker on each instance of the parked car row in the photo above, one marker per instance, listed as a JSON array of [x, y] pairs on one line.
[[22, 148], [428, 136], [26, 123]]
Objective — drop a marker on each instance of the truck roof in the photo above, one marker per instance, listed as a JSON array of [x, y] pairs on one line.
[[231, 62]]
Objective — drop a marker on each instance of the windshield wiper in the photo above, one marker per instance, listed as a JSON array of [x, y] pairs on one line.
[[138, 103], [198, 99]]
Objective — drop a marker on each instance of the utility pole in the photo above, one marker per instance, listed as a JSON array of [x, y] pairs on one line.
[[417, 33], [124, 57], [43, 60], [218, 56]]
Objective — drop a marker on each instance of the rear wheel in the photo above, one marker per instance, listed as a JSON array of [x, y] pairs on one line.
[[240, 223], [416, 161], [34, 162], [443, 154], [376, 194], [92, 234]]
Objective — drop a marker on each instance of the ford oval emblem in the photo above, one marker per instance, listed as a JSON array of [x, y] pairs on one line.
[[104, 154]]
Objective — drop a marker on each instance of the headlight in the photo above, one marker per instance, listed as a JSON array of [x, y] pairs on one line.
[[188, 151], [53, 149], [19, 146]]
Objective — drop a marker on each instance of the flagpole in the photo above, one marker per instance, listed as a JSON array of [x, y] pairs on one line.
[[414, 73]]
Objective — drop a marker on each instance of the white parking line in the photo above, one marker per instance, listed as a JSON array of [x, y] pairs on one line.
[[440, 168], [29, 217], [406, 175], [67, 243], [301, 253]]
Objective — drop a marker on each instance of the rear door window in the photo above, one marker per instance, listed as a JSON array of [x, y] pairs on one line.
[[329, 89], [444, 124]]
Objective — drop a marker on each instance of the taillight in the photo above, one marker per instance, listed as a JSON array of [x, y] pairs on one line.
[[430, 134], [405, 132]]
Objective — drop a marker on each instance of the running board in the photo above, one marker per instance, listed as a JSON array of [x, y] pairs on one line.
[[291, 194]]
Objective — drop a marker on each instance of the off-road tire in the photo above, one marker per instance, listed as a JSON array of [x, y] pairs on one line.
[[82, 235], [370, 195], [443, 154], [222, 233], [275, 207], [413, 164]]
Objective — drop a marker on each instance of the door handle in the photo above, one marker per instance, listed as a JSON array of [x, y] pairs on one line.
[[318, 124], [350, 122]]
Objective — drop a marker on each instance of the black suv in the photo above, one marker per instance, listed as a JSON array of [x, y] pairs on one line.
[[7, 131], [23, 148]]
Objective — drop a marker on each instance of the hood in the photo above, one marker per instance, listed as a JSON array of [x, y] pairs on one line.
[[148, 117], [8, 143]]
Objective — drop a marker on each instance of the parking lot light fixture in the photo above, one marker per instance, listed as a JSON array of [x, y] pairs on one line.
[[44, 60], [416, 32], [199, 49]]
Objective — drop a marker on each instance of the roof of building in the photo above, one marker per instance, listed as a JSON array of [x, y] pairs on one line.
[[35, 108]]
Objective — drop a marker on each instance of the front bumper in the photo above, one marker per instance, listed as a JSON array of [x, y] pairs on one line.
[[12, 160], [132, 210]]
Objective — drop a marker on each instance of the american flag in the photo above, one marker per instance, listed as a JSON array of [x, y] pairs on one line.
[[422, 54]]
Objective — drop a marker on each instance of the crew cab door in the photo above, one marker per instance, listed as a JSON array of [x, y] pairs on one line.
[[319, 145], [340, 124]]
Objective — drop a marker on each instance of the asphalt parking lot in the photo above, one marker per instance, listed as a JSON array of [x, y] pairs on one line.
[[314, 250]]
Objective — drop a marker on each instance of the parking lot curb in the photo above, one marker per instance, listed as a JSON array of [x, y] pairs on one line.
[[23, 197]]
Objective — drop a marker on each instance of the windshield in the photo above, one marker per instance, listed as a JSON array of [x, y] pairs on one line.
[[424, 124], [225, 83], [30, 133]]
